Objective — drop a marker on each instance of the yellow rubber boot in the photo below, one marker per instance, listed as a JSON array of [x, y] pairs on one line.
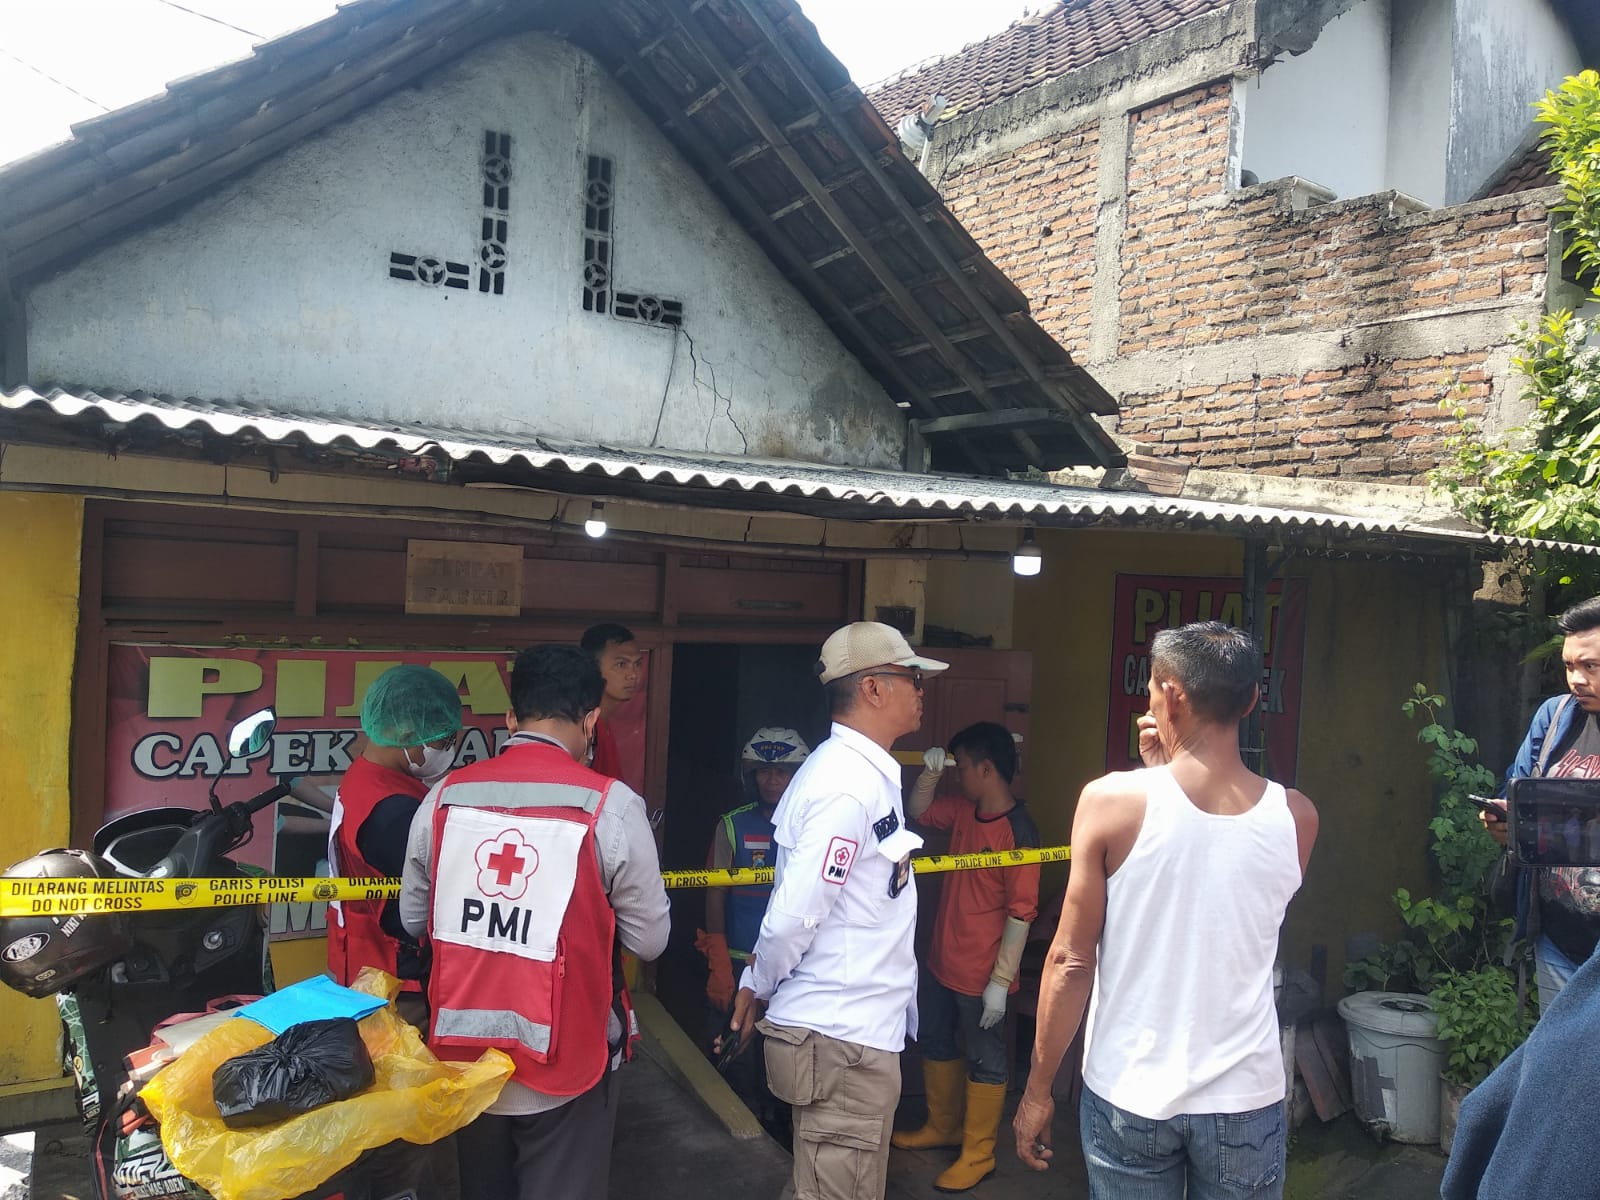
[[984, 1104], [944, 1081]]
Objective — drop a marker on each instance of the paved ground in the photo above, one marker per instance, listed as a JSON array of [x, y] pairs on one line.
[[670, 1147]]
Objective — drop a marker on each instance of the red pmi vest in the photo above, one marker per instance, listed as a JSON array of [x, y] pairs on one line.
[[355, 937], [523, 933]]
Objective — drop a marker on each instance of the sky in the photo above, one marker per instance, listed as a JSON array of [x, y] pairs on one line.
[[63, 61]]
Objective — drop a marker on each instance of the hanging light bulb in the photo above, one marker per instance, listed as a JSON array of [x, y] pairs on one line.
[[595, 526], [1028, 559]]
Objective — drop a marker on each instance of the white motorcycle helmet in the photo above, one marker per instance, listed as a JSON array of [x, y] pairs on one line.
[[774, 746], [770, 746]]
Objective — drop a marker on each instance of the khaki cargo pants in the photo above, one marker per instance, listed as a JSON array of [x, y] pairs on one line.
[[844, 1097]]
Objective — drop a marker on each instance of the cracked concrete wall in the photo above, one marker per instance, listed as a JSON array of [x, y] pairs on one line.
[[276, 288]]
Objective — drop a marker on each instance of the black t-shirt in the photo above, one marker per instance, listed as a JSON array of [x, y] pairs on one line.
[[1569, 897]]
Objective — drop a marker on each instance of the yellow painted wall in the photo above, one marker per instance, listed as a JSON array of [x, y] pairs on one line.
[[299, 959], [40, 539], [1372, 630]]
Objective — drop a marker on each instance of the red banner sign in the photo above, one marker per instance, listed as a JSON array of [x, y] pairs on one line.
[[1147, 604], [169, 709]]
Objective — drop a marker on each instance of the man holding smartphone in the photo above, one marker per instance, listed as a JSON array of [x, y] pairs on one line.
[[1558, 908]]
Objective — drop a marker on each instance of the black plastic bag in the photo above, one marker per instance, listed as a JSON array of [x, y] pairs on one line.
[[304, 1067]]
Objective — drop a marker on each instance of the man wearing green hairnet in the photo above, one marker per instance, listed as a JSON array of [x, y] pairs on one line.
[[412, 718]]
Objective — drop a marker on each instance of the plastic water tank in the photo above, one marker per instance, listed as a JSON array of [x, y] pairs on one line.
[[1395, 1060]]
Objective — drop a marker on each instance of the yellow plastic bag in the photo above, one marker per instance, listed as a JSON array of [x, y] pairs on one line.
[[415, 1097]]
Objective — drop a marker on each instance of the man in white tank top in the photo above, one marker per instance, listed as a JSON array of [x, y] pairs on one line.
[[1180, 876]]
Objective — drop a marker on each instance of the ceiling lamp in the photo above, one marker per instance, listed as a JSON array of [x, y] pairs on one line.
[[1028, 559], [595, 526]]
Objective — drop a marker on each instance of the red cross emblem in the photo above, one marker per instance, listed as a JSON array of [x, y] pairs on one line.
[[505, 864]]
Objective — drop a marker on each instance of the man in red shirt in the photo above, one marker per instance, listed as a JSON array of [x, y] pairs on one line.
[[621, 664], [412, 718], [978, 935]]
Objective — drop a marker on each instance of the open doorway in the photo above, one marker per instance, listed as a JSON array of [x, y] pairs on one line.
[[721, 694]]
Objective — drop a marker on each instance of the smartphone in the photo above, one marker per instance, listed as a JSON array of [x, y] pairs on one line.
[[1554, 822], [1495, 808]]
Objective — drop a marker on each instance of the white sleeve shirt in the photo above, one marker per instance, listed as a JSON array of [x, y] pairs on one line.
[[835, 951]]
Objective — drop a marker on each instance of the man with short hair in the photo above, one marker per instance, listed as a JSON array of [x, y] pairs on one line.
[[1558, 908], [834, 966], [1181, 873], [621, 664], [529, 872], [982, 925]]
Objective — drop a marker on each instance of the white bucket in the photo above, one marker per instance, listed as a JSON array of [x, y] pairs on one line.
[[1395, 1060]]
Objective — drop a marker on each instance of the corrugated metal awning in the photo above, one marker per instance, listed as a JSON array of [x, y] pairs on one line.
[[192, 428]]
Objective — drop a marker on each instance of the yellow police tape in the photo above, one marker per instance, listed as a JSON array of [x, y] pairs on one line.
[[84, 897]]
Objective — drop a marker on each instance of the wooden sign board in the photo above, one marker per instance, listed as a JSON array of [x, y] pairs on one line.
[[463, 579]]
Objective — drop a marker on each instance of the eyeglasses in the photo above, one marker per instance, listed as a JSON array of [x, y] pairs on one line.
[[915, 676]]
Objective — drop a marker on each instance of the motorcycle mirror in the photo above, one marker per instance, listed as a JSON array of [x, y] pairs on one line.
[[250, 735]]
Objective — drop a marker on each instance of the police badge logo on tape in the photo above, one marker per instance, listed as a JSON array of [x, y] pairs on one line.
[[25, 948]]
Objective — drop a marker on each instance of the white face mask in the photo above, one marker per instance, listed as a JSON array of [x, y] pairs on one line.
[[435, 765]]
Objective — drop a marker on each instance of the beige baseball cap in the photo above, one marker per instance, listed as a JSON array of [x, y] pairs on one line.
[[867, 644]]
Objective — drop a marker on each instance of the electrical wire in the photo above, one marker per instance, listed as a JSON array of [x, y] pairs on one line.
[[58, 82], [208, 17]]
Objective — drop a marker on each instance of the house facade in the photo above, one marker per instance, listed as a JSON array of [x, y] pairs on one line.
[[325, 359], [1270, 227]]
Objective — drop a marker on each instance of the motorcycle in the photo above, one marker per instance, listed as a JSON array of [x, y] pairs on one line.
[[120, 979]]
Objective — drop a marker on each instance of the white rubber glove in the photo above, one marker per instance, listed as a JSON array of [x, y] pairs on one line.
[[934, 760], [994, 1005]]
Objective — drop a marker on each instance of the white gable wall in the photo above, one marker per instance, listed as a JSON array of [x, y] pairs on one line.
[[276, 288]]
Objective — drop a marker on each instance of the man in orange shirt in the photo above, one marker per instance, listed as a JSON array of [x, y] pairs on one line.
[[978, 935]]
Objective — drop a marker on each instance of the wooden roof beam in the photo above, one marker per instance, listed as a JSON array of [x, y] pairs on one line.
[[768, 127], [961, 333], [999, 379], [1099, 442], [916, 283], [835, 311], [972, 422]]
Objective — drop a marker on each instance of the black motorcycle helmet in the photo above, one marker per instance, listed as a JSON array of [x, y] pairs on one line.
[[42, 955]]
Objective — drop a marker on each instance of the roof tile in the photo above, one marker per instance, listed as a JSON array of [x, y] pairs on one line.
[[1032, 51]]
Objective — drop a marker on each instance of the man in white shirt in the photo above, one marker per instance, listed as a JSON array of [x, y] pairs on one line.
[[834, 967], [1180, 876]]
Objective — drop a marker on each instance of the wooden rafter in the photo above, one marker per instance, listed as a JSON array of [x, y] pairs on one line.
[[835, 310], [1099, 443], [888, 279]]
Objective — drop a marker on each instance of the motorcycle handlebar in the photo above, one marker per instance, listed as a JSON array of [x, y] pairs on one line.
[[274, 793]]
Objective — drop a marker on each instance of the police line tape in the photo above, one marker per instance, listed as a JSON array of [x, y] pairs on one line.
[[87, 897]]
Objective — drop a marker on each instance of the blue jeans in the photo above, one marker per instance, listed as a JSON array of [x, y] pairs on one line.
[[943, 1016], [1551, 970], [1201, 1156]]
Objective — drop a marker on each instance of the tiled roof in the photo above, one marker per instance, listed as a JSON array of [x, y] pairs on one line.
[[162, 426], [1530, 171], [1032, 51]]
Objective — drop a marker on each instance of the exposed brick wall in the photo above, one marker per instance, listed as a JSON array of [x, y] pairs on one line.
[[1201, 266], [1007, 205], [1379, 421], [1204, 269]]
